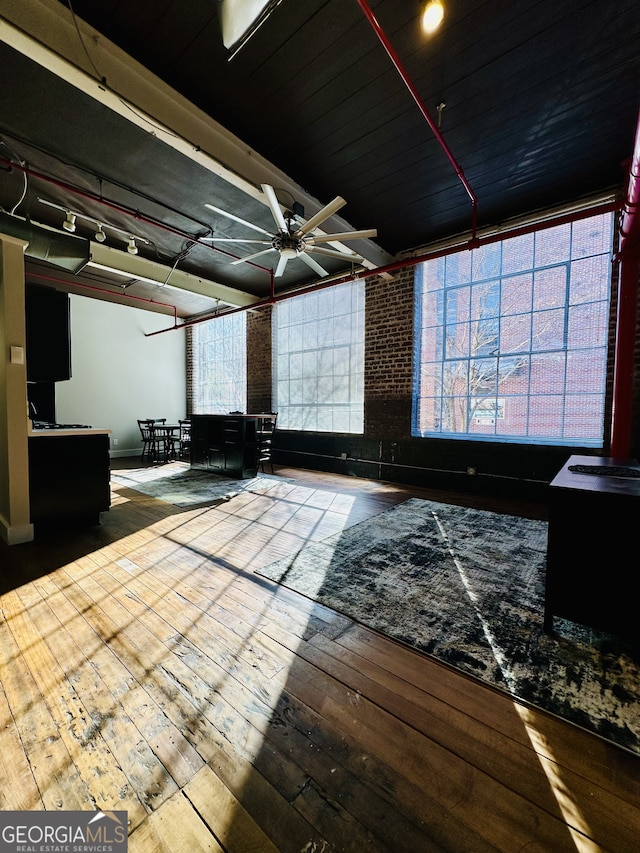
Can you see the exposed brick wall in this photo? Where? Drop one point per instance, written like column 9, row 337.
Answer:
column 388, row 361
column 259, row 360
column 386, row 450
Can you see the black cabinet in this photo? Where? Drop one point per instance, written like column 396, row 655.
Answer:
column 225, row 444
column 48, row 322
column 592, row 576
column 69, row 479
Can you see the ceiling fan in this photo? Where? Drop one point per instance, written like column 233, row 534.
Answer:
column 294, row 237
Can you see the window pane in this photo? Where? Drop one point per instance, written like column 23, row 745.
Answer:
column 525, row 328
column 517, row 293
column 552, row 245
column 517, row 254
column 319, row 340
column 220, row 365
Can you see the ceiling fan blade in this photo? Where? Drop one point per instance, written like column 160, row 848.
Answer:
column 327, row 211
column 345, row 235
column 282, row 263
column 315, row 266
column 237, row 219
column 250, row 257
column 334, row 253
column 274, row 205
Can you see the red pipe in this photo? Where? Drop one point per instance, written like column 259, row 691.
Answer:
column 416, row 97
column 109, row 292
column 628, row 258
column 605, row 207
column 121, row 209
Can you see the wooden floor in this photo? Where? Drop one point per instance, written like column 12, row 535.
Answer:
column 145, row 667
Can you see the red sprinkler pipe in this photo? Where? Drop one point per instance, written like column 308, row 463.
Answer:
column 628, row 258
column 109, row 293
column 416, row 97
column 332, row 281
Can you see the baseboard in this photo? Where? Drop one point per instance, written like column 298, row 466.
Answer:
column 16, row 534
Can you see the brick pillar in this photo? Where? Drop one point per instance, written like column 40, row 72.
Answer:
column 388, row 361
column 259, row 386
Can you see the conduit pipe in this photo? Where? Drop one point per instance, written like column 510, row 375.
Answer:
column 519, row 231
column 628, row 259
column 416, row 97
column 120, row 208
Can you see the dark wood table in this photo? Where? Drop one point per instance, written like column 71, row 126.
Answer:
column 593, row 574
column 165, row 438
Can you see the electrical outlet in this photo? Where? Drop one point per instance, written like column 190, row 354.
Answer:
column 343, row 456
column 471, row 472
column 114, row 442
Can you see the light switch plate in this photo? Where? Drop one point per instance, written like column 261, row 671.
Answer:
column 17, row 355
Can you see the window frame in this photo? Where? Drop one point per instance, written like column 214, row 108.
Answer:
column 318, row 352
column 443, row 342
column 230, row 365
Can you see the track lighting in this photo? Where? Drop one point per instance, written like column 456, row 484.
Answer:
column 100, row 236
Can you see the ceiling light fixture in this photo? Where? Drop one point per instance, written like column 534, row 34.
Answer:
column 432, row 16
column 124, row 273
column 100, row 236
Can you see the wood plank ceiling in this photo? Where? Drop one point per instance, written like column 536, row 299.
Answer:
column 537, row 102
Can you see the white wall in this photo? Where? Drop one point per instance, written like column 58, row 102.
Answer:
column 119, row 375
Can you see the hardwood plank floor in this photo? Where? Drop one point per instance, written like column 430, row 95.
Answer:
column 145, row 667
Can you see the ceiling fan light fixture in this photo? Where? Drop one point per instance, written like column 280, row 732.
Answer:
column 69, row 223
column 432, row 16
column 288, row 252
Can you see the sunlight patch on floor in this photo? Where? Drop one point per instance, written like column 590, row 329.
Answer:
column 571, row 812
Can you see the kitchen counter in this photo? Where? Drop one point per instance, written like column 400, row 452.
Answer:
column 34, row 432
column 53, row 433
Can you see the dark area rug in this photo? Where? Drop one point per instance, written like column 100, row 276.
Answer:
column 467, row 586
column 182, row 486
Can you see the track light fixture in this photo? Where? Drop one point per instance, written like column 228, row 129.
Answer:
column 100, row 236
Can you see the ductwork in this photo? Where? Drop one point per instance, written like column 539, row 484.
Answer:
column 67, row 251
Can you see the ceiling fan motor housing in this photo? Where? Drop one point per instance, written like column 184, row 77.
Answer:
column 288, row 245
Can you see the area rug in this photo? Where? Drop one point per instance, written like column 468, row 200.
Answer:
column 467, row 586
column 182, row 486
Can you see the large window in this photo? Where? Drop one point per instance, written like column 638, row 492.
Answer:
column 220, row 365
column 511, row 338
column 318, row 347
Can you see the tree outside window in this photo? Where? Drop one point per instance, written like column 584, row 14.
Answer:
column 511, row 339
